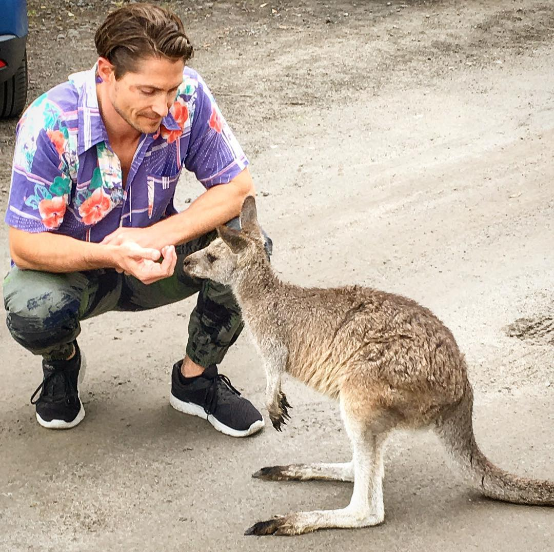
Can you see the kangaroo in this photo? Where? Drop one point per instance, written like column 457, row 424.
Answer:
column 389, row 361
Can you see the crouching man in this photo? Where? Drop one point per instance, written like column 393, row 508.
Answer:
column 92, row 223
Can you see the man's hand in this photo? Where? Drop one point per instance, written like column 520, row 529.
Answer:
column 142, row 263
column 148, row 238
column 57, row 253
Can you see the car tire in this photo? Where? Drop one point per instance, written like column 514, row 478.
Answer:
column 13, row 92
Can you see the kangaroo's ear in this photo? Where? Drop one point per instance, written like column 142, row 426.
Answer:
column 233, row 238
column 248, row 215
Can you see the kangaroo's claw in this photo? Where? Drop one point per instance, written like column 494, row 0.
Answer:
column 266, row 527
column 278, row 423
column 284, row 401
column 271, row 473
column 284, row 405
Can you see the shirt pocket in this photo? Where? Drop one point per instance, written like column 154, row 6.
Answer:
column 161, row 189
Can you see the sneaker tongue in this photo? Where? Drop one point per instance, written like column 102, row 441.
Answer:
column 210, row 372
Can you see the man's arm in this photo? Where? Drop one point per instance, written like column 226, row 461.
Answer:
column 213, row 208
column 57, row 253
column 133, row 250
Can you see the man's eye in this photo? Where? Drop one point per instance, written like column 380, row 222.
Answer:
column 148, row 92
column 211, row 258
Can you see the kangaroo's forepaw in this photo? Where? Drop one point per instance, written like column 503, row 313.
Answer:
column 281, row 414
column 276, row 526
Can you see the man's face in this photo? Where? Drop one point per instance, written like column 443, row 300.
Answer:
column 143, row 98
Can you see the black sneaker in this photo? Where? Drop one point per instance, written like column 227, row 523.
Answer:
column 59, row 405
column 212, row 397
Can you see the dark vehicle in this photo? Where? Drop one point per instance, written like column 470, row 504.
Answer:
column 14, row 27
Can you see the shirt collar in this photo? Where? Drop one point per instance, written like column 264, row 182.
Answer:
column 170, row 123
column 91, row 127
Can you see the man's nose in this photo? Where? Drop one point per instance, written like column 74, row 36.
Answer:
column 160, row 107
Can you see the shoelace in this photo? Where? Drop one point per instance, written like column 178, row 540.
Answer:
column 211, row 402
column 69, row 388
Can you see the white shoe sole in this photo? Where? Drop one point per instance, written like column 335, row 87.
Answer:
column 62, row 424
column 196, row 410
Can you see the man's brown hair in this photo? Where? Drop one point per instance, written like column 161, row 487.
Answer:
column 138, row 31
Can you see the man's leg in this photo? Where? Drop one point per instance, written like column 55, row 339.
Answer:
column 197, row 388
column 44, row 311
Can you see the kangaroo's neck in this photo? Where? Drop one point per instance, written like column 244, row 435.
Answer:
column 256, row 285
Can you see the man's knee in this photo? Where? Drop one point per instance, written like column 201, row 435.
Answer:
column 42, row 309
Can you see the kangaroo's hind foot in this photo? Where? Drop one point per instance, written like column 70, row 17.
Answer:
column 307, row 472
column 307, row 522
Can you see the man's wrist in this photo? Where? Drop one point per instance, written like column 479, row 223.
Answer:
column 103, row 256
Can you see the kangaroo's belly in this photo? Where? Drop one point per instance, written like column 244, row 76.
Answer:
column 401, row 360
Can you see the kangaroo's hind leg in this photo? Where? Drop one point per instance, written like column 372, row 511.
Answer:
column 366, row 505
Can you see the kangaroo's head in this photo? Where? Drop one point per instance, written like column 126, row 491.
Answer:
column 232, row 252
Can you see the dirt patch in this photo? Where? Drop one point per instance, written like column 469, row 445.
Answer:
column 537, row 330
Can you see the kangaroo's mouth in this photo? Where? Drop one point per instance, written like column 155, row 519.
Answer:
column 189, row 265
column 195, row 266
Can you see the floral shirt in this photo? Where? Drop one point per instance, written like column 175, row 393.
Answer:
column 67, row 179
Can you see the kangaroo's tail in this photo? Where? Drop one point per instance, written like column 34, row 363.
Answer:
column 455, row 429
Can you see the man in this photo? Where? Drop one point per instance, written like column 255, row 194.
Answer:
column 92, row 222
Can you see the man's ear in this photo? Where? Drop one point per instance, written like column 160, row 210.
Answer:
column 104, row 69
column 233, row 238
column 249, row 216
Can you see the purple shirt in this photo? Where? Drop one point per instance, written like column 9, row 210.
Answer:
column 66, row 178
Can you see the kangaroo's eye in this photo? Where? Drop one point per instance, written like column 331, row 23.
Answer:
column 211, row 258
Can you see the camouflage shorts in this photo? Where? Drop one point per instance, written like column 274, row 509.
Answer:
column 44, row 310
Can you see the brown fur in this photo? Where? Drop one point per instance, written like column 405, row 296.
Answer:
column 390, row 362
